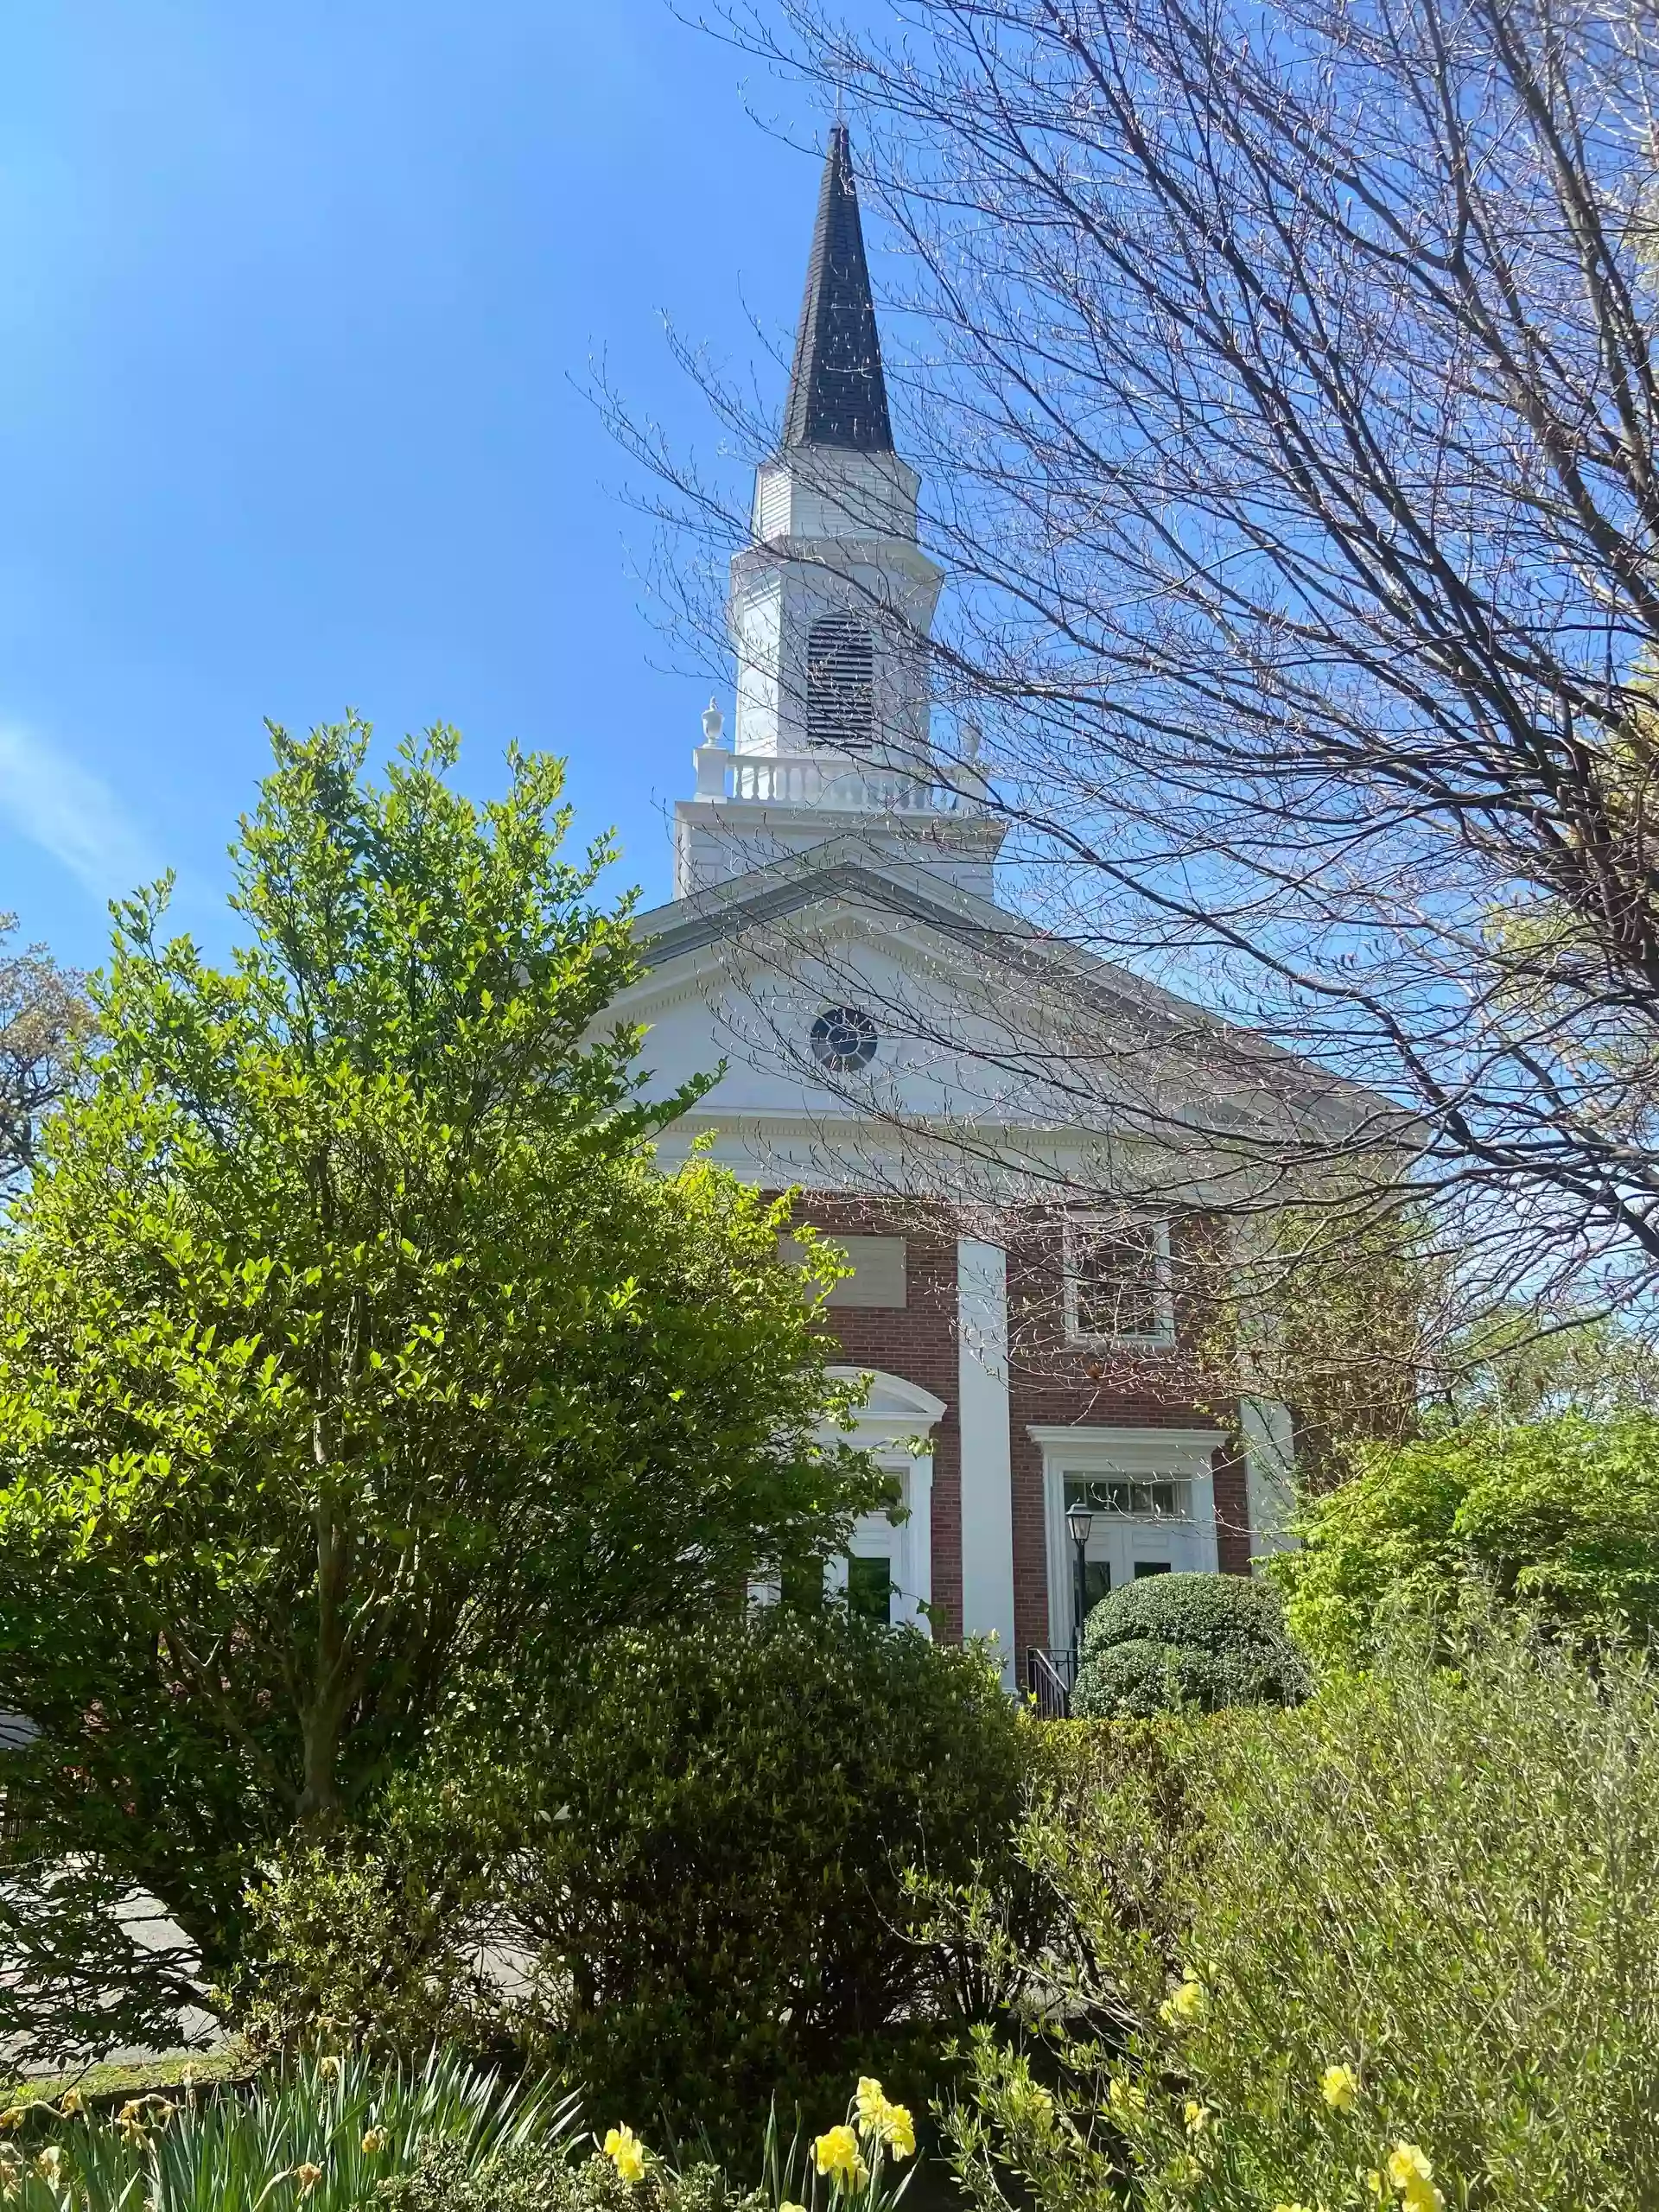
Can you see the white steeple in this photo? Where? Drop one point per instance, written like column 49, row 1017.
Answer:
column 831, row 605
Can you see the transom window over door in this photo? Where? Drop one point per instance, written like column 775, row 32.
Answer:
column 1117, row 1281
column 1159, row 1498
column 840, row 684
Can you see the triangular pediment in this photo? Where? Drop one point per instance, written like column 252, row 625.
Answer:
column 990, row 1032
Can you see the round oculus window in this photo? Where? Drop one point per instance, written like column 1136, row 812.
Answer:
column 844, row 1039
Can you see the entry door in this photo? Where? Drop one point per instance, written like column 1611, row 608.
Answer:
column 887, row 1571
column 1138, row 1547
column 1124, row 1550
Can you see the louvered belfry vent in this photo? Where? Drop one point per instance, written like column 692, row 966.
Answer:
column 837, row 396
column 839, row 683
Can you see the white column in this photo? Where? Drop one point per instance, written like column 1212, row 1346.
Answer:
column 916, row 1580
column 987, row 1459
column 1266, row 1431
column 1202, row 1543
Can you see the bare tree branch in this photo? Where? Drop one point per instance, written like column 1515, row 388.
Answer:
column 1286, row 388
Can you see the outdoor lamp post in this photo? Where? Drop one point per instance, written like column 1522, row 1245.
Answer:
column 1078, row 1522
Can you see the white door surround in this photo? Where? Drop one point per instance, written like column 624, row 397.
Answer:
column 1184, row 1539
column 895, row 1420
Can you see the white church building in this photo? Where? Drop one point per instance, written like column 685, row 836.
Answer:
column 835, row 940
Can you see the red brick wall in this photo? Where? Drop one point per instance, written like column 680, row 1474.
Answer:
column 1056, row 1384
column 1232, row 1514
column 1051, row 1383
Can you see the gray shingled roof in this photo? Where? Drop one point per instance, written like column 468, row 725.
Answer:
column 837, row 394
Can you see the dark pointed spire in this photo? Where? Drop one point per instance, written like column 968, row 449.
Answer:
column 836, row 395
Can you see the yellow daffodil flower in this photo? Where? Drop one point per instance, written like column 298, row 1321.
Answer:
column 626, row 2153
column 880, row 2120
column 1126, row 2096
column 1196, row 2116
column 899, row 2131
column 835, row 2153
column 1339, row 2087
column 307, row 2177
column 49, row 2164
column 331, row 2067
column 70, row 2102
column 374, row 2140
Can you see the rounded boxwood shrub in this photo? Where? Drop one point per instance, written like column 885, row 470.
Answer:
column 1175, row 1640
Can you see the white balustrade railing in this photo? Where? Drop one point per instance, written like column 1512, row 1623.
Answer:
column 784, row 779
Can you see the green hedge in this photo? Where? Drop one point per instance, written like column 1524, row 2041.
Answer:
column 1416, row 1917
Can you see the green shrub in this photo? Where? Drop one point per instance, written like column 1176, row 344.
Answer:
column 366, row 1947
column 1170, row 1641
column 1560, row 1518
column 1112, row 1797
column 525, row 2178
column 1444, row 1882
column 721, row 1910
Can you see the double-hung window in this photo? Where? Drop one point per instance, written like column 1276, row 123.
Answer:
column 1118, row 1287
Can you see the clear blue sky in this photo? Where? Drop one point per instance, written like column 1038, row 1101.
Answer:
column 290, row 303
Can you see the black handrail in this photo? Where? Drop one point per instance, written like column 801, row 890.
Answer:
column 1049, row 1677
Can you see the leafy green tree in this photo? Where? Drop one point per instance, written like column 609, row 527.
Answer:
column 1557, row 1517
column 44, row 1019
column 351, row 1335
column 1334, row 1306
column 1525, row 1363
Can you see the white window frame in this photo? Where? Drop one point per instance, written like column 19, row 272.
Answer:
column 1163, row 1286
column 1182, row 1484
